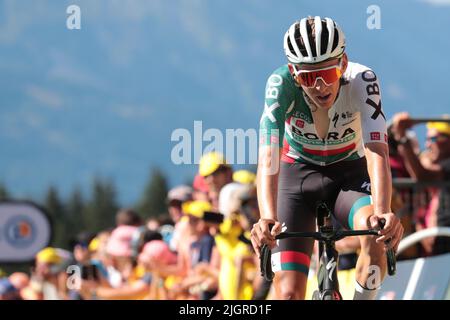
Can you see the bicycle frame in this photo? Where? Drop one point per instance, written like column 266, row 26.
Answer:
column 327, row 274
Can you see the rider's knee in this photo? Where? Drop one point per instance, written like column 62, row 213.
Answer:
column 289, row 293
column 291, row 286
column 361, row 222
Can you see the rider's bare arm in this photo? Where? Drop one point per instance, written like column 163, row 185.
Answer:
column 267, row 182
column 267, row 188
column 377, row 155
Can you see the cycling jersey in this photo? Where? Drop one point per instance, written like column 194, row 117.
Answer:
column 356, row 118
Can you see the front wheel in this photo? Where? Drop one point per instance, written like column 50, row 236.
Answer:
column 316, row 295
column 327, row 295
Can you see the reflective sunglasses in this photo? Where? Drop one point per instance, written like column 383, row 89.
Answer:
column 437, row 138
column 308, row 78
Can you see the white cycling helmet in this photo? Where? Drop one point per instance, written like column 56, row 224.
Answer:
column 300, row 47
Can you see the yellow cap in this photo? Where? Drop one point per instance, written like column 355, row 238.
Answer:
column 441, row 127
column 48, row 255
column 210, row 162
column 94, row 244
column 244, row 177
column 196, row 208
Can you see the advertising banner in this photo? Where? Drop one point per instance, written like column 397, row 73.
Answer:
column 24, row 231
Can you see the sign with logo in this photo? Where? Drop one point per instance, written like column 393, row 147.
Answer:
column 24, row 231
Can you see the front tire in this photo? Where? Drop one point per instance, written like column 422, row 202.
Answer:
column 316, row 295
column 327, row 295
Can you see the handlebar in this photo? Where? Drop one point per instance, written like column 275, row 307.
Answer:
column 266, row 254
column 333, row 236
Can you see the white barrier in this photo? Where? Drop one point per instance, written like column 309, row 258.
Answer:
column 422, row 234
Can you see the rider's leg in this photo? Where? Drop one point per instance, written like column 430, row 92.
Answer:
column 372, row 265
column 290, row 285
column 291, row 258
column 291, row 261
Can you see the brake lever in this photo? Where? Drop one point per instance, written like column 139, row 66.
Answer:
column 390, row 253
column 266, row 263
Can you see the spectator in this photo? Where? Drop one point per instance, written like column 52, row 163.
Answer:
column 19, row 280
column 8, row 291
column 244, row 177
column 180, row 238
column 153, row 224
column 217, row 173
column 401, row 202
column 200, row 189
column 48, row 280
column 120, row 252
column 91, row 269
column 201, row 247
column 437, row 169
column 128, row 217
column 237, row 265
column 175, row 198
column 156, row 256
column 126, row 280
column 97, row 248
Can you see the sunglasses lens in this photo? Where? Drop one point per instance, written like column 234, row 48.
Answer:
column 308, row 78
column 329, row 76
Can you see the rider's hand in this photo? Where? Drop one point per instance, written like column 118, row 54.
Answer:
column 392, row 232
column 261, row 234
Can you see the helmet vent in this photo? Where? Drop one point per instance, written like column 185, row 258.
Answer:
column 311, row 38
column 324, row 38
column 336, row 37
column 299, row 40
column 291, row 49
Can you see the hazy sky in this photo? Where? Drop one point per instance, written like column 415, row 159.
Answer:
column 105, row 100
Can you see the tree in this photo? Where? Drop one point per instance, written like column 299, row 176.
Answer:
column 102, row 208
column 153, row 200
column 75, row 208
column 60, row 223
column 4, row 194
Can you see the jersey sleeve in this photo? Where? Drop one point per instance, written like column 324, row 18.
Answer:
column 271, row 125
column 366, row 90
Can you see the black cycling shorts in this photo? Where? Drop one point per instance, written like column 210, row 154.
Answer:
column 343, row 186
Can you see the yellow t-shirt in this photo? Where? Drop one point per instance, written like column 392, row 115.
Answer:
column 231, row 249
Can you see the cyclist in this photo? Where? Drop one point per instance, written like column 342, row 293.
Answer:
column 323, row 119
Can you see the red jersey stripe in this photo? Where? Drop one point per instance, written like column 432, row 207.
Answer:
column 295, row 257
column 333, row 152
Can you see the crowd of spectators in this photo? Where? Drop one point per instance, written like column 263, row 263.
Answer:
column 200, row 251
